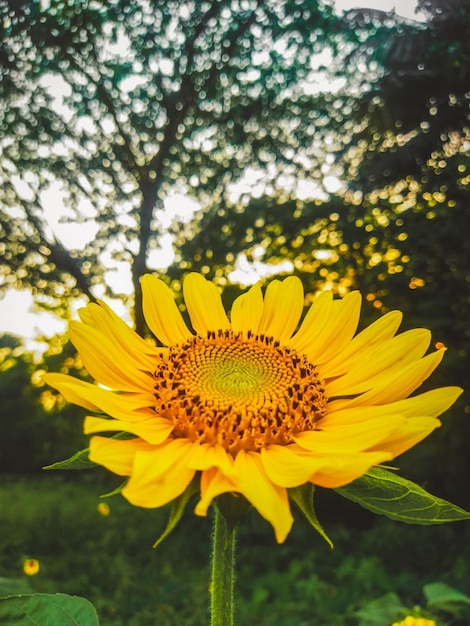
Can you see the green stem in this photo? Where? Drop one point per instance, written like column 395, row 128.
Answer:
column 223, row 560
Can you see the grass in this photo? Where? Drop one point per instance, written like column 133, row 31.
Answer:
column 110, row 561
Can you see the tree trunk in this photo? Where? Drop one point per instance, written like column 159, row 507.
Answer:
column 149, row 190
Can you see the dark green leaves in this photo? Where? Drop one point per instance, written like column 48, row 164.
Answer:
column 44, row 609
column 381, row 611
column 385, row 493
column 442, row 597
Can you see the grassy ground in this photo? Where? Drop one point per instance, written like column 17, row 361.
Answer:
column 110, row 560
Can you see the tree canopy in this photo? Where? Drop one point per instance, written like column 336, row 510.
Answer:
column 107, row 108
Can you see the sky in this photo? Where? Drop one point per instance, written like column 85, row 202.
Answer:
column 17, row 313
column 405, row 8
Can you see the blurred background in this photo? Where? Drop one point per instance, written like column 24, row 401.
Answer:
column 243, row 139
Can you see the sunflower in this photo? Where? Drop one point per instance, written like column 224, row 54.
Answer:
column 254, row 405
column 415, row 621
column 31, row 567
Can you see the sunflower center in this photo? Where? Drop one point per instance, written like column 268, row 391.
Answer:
column 241, row 392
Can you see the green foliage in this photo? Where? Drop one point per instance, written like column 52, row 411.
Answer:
column 384, row 610
column 46, row 609
column 444, row 603
column 110, row 561
column 417, row 111
column 442, row 597
column 386, row 493
column 14, row 587
column 107, row 559
column 35, row 424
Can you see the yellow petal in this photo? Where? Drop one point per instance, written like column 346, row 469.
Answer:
column 287, row 469
column 365, row 343
column 414, row 431
column 124, row 333
column 161, row 312
column 115, row 454
column 247, row 310
column 213, row 484
column 396, row 385
column 269, row 500
column 118, row 334
column 154, row 430
column 204, row 305
column 431, row 403
column 353, row 437
column 283, row 305
column 85, row 316
column 368, row 371
column 350, row 468
column 328, row 327
column 337, row 419
column 159, row 475
column 128, row 407
column 205, row 456
column 106, row 361
column 314, row 323
column 339, row 330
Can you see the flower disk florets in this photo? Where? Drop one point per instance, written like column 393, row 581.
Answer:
column 243, row 393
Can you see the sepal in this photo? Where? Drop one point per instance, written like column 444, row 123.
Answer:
column 303, row 497
column 178, row 507
column 79, row 461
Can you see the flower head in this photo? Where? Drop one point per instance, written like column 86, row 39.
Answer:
column 103, row 509
column 31, row 567
column 415, row 621
column 252, row 405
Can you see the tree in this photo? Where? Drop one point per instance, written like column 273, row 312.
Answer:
column 155, row 97
column 420, row 104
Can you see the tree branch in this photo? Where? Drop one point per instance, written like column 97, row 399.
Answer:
column 58, row 253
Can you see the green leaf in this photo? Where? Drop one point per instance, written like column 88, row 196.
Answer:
column 177, row 509
column 399, row 499
column 14, row 586
column 79, row 461
column 302, row 497
column 43, row 609
column 442, row 597
column 382, row 611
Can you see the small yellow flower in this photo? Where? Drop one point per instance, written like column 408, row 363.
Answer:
column 251, row 405
column 30, row 567
column 415, row 621
column 103, row 509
